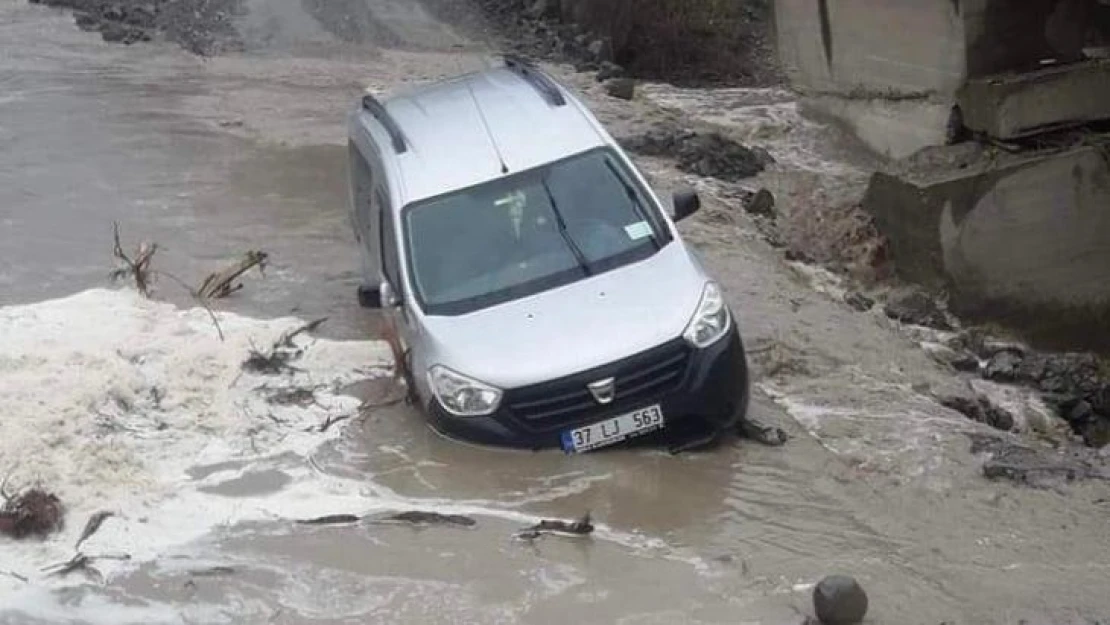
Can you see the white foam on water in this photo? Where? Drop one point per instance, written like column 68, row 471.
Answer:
column 109, row 399
column 766, row 117
column 116, row 402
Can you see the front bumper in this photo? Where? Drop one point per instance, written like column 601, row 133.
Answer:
column 695, row 387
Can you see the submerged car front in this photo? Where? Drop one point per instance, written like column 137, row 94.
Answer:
column 558, row 307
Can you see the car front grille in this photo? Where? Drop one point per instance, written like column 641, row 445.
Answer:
column 639, row 379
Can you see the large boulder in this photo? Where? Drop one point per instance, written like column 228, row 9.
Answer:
column 839, row 600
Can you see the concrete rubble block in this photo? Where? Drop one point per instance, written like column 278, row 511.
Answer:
column 1022, row 239
column 901, row 47
column 1017, row 105
column 893, row 128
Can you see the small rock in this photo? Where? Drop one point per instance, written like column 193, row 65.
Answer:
column 1097, row 433
column 601, row 50
column 798, row 256
column 859, row 301
column 621, row 88
column 839, row 600
column 609, row 70
column 763, row 157
column 967, row 363
column 917, row 308
column 1080, row 413
column 980, row 409
column 762, row 203
column 1002, row 367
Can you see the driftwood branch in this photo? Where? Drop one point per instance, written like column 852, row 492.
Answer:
column 223, row 282
column 139, row 267
column 276, row 360
column 200, row 300
column 140, row 270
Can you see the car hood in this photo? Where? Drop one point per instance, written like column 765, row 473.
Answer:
column 574, row 327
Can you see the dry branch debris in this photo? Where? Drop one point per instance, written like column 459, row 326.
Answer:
column 581, row 527
column 138, row 267
column 223, row 282
column 33, row 512
column 276, row 360
column 92, row 525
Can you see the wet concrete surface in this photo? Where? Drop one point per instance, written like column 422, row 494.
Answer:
column 212, row 157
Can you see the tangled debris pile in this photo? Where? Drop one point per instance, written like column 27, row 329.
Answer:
column 33, row 512
column 276, row 359
column 705, row 154
column 223, row 282
column 203, row 27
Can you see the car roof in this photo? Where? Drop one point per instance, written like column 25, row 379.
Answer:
column 484, row 125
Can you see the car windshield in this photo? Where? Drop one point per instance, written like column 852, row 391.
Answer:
column 527, row 233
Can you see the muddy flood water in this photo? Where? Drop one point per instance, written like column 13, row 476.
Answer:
column 210, row 157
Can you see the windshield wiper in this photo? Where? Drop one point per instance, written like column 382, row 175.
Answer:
column 634, row 199
column 562, row 224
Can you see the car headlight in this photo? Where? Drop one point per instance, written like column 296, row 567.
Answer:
column 463, row 396
column 710, row 321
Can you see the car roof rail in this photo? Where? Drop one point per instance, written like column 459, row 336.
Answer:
column 535, row 77
column 375, row 108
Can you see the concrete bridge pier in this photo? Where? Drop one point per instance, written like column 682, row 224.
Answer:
column 995, row 118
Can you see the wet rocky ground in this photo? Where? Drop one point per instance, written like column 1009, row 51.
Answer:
column 200, row 26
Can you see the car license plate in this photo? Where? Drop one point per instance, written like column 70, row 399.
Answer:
column 612, row 431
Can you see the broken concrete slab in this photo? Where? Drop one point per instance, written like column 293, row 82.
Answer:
column 846, row 46
column 1020, row 239
column 894, row 128
column 1012, row 106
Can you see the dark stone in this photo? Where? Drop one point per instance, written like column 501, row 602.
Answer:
column 609, row 70
column 839, row 600
column 996, row 417
column 711, row 155
column 917, row 308
column 622, row 88
column 762, row 203
column 1002, row 367
column 967, row 363
column 1080, row 413
column 798, row 256
column 859, row 301
column 1100, row 399
column 763, row 157
column 981, row 410
column 1097, row 432
column 771, row 436
column 1037, row 467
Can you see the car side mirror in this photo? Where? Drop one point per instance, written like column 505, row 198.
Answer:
column 388, row 298
column 686, row 203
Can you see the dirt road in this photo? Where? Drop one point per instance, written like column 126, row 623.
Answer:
column 245, row 150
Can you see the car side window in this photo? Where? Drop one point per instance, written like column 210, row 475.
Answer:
column 391, row 262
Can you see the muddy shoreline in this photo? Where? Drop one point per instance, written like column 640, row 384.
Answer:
column 203, row 27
